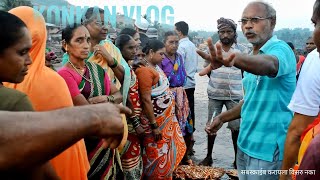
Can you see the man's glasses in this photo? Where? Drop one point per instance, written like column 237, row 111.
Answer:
column 254, row 20
column 100, row 24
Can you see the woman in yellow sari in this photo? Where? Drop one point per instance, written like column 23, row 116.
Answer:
column 48, row 91
column 105, row 53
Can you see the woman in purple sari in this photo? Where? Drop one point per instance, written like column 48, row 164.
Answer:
column 173, row 66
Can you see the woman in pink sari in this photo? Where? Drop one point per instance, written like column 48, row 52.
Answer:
column 88, row 83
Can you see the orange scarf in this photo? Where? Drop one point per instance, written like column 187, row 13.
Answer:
column 307, row 136
column 48, row 91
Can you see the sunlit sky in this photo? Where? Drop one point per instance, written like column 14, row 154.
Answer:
column 203, row 14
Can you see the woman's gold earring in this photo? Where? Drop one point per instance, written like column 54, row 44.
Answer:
column 67, row 48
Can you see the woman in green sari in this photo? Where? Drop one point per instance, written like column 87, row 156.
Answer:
column 104, row 52
column 89, row 84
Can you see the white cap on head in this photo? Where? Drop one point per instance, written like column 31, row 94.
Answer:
column 152, row 32
column 143, row 24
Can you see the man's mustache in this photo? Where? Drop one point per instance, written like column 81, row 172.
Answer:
column 250, row 32
column 226, row 39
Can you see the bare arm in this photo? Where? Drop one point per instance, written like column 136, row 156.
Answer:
column 148, row 110
column 116, row 94
column 148, row 106
column 43, row 135
column 119, row 73
column 230, row 115
column 132, row 118
column 44, row 171
column 79, row 100
column 130, row 106
column 118, row 70
column 264, row 65
column 298, row 125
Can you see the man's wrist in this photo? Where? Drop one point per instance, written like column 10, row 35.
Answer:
column 221, row 118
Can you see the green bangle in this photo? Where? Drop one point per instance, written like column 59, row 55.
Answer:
column 115, row 63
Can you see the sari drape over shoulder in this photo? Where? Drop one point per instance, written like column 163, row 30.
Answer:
column 105, row 162
column 176, row 74
column 162, row 157
column 124, row 88
column 48, row 91
column 131, row 158
column 115, row 53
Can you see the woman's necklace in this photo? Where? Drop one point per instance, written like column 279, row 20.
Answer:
column 83, row 76
column 149, row 65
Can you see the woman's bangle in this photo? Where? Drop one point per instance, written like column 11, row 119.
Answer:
column 153, row 125
column 135, row 121
column 115, row 63
column 110, row 98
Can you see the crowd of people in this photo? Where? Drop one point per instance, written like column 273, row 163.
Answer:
column 136, row 115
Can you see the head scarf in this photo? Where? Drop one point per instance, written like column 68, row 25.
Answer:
column 40, row 79
column 48, row 91
column 226, row 23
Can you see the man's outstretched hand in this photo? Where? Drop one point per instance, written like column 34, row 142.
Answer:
column 215, row 58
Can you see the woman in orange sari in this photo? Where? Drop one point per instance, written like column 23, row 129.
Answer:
column 164, row 144
column 48, row 91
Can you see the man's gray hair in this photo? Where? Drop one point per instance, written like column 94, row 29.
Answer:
column 271, row 12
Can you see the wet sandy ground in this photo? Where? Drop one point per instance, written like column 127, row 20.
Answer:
column 223, row 155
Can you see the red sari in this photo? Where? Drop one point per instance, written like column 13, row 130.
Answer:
column 131, row 159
